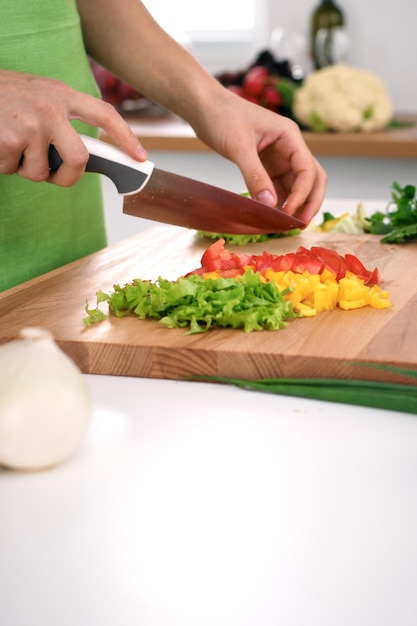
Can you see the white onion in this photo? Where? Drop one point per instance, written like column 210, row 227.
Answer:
column 45, row 405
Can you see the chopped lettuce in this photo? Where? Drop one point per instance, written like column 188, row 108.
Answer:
column 243, row 240
column 200, row 304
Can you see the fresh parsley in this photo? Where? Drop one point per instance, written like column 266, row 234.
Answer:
column 398, row 223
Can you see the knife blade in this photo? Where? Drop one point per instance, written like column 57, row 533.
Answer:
column 161, row 196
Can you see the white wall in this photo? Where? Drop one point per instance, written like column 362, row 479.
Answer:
column 382, row 34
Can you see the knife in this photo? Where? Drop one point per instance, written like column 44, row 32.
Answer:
column 161, row 196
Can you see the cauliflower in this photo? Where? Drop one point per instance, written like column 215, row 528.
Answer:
column 343, row 98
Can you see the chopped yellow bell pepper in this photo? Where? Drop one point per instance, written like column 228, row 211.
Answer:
column 329, row 225
column 313, row 293
column 310, row 294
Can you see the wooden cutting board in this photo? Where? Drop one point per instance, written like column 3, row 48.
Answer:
column 323, row 346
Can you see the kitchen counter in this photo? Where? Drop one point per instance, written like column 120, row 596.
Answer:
column 194, row 504
column 170, row 133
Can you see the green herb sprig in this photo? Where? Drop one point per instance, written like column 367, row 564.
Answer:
column 398, row 223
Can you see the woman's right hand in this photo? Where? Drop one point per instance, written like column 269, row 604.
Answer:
column 36, row 112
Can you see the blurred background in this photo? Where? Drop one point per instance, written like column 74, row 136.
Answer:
column 225, row 35
column 227, row 38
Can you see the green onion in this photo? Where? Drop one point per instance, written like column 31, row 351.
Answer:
column 379, row 395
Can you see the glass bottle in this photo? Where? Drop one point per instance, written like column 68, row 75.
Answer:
column 329, row 41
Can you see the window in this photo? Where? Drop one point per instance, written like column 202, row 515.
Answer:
column 221, row 34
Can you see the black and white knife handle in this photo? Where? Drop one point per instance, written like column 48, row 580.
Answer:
column 128, row 175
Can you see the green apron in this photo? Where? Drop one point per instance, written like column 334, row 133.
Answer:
column 43, row 226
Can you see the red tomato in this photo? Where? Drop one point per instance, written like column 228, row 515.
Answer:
column 374, row 278
column 197, row 272
column 313, row 260
column 355, row 266
column 284, row 262
column 210, row 260
column 217, row 258
column 263, row 261
column 304, row 263
column 237, row 271
column 331, row 260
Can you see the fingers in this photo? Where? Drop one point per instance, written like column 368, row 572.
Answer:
column 30, row 159
column 72, row 151
column 300, row 179
column 36, row 112
column 315, row 199
column 286, row 175
column 10, row 155
column 269, row 149
column 74, row 157
column 103, row 115
column 298, row 188
column 258, row 182
column 33, row 163
column 255, row 170
column 307, row 192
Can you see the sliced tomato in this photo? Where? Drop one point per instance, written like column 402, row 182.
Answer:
column 200, row 271
column 211, row 258
column 261, row 262
column 241, row 259
column 216, row 257
column 305, row 263
column 356, row 266
column 331, row 260
column 284, row 262
column 231, row 273
column 373, row 278
column 313, row 260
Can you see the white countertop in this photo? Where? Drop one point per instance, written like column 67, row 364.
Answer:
column 194, row 504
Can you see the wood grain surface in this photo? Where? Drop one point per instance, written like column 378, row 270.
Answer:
column 334, row 344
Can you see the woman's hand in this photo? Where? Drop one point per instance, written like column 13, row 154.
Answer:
column 36, row 111
column 278, row 168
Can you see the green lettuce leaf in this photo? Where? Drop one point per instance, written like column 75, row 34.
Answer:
column 200, row 304
column 243, row 240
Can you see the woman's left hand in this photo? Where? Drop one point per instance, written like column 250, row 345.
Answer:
column 278, row 167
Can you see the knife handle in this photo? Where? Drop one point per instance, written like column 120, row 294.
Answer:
column 128, row 175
